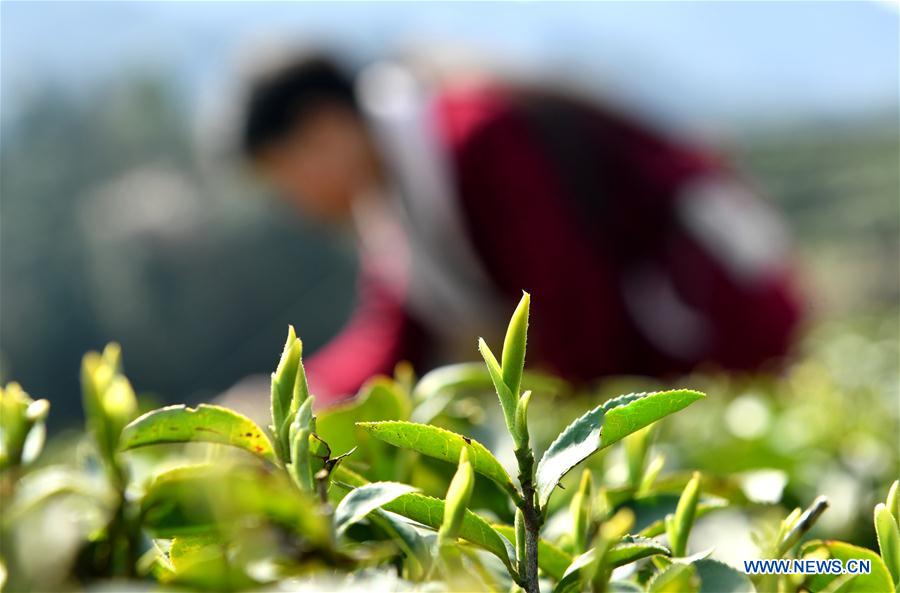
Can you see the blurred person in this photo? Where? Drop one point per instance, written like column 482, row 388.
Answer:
column 644, row 255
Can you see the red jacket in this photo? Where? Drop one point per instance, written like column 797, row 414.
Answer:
column 643, row 256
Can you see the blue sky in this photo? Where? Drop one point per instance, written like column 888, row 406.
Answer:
column 719, row 61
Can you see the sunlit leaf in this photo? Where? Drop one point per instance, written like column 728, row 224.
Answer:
column 718, row 577
column 676, row 578
column 879, row 579
column 441, row 444
column 601, row 427
column 430, row 512
column 206, row 423
column 365, row 499
column 888, row 540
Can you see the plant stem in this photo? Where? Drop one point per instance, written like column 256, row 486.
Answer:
column 533, row 520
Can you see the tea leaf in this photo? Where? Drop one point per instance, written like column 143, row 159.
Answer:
column 21, row 426
column 457, row 498
column 365, row 499
column 601, row 427
column 441, row 444
column 630, row 413
column 888, row 540
column 630, row 548
column 676, row 578
column 678, row 525
column 718, row 577
column 108, row 400
column 430, row 512
column 206, row 423
column 513, row 360
column 508, row 400
column 892, row 502
column 879, row 579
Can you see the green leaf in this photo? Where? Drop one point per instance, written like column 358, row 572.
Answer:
column 457, row 499
column 210, row 499
column 430, row 512
column 718, row 577
column 206, row 423
column 108, row 399
column 630, row 548
column 365, row 499
column 879, row 579
column 508, row 400
column 21, row 426
column 513, row 362
column 601, row 427
column 416, row 543
column 678, row 525
column 441, row 444
column 892, row 502
column 301, row 467
column 551, row 559
column 630, row 413
column 676, row 578
column 888, row 540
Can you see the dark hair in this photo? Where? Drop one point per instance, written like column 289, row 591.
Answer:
column 282, row 98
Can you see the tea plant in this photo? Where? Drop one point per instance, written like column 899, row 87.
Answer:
column 380, row 493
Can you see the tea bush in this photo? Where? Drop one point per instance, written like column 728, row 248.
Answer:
column 391, row 491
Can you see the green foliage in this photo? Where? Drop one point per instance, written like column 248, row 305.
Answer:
column 879, row 579
column 440, row 444
column 21, row 426
column 108, row 399
column 601, row 427
column 678, row 526
column 363, row 500
column 888, row 533
column 206, row 423
column 353, row 489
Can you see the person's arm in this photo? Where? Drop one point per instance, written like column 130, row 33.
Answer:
column 379, row 334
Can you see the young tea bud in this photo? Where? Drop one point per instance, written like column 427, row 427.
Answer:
column 21, row 418
column 678, row 526
column 520, row 429
column 514, row 345
column 300, row 466
column 108, row 398
column 289, row 391
column 508, row 401
column 457, row 500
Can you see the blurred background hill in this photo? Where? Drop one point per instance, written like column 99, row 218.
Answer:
column 116, row 225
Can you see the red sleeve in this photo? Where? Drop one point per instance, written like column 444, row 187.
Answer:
column 379, row 334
